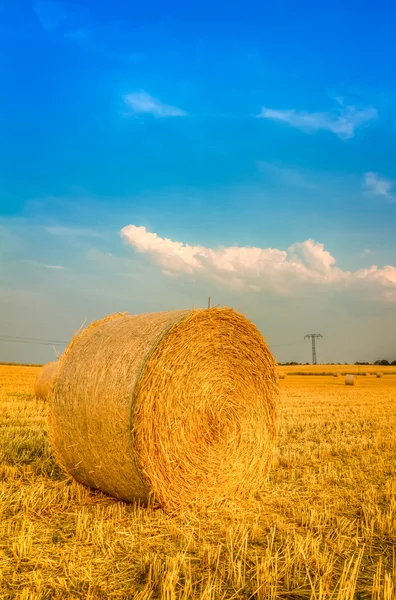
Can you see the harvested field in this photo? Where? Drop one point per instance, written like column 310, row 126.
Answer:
column 322, row 527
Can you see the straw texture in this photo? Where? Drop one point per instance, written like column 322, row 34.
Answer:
column 180, row 406
column 45, row 380
column 350, row 380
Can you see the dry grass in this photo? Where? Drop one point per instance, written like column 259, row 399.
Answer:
column 323, row 527
column 197, row 390
column 45, row 380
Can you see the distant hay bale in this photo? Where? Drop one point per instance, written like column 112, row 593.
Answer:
column 350, row 380
column 178, row 406
column 379, row 375
column 45, row 380
column 281, row 375
column 337, row 374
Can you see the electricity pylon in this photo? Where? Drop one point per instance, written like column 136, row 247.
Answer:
column 313, row 336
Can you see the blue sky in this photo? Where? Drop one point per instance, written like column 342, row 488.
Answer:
column 154, row 154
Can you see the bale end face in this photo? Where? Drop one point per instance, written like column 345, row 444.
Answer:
column 350, row 380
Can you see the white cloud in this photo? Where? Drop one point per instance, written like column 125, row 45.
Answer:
column 142, row 103
column 34, row 263
column 281, row 271
column 342, row 121
column 378, row 185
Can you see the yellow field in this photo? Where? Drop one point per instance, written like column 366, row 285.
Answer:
column 324, row 525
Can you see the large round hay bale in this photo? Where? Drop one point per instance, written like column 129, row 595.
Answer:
column 179, row 406
column 45, row 380
column 350, row 380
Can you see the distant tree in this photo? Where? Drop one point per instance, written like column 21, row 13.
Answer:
column 393, row 363
column 362, row 363
column 383, row 362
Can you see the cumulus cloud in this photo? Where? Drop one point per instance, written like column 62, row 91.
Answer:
column 256, row 269
column 377, row 185
column 342, row 120
column 140, row 103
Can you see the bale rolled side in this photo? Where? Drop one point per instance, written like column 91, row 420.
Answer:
column 45, row 380
column 350, row 380
column 178, row 405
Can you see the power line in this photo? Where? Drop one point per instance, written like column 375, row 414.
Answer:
column 31, row 339
column 281, row 345
column 20, row 340
column 28, row 340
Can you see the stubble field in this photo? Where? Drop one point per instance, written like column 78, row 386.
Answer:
column 324, row 525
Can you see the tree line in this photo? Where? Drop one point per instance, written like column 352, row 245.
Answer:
column 383, row 362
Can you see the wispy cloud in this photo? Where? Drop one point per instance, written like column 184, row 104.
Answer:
column 285, row 175
column 140, row 103
column 366, row 252
column 377, row 185
column 73, row 232
column 256, row 269
column 342, row 120
column 50, row 13
column 34, row 263
column 73, row 23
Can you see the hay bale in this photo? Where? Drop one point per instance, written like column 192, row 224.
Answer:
column 379, row 375
column 350, row 380
column 281, row 375
column 45, row 380
column 179, row 406
column 337, row 374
